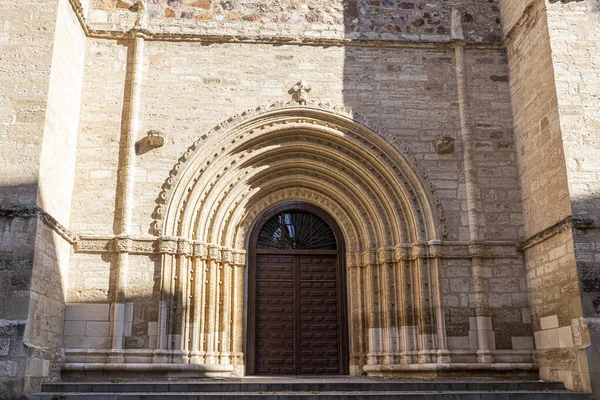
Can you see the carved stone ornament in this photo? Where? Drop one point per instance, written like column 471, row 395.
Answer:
column 301, row 91
column 444, row 145
column 141, row 22
column 155, row 139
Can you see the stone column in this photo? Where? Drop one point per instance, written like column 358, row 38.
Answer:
column 443, row 354
column 225, row 320
column 356, row 313
column 422, row 289
column 126, row 177
column 212, row 296
column 406, row 300
column 197, row 317
column 237, row 356
column 482, row 311
column 372, row 307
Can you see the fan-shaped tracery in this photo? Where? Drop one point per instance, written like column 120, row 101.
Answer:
column 296, row 230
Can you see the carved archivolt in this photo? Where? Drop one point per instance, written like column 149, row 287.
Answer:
column 316, row 153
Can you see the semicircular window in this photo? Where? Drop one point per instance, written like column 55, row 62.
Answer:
column 298, row 230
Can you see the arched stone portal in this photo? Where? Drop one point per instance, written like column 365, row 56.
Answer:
column 385, row 209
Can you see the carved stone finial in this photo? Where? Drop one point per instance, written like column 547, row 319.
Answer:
column 156, row 139
column 141, row 21
column 301, row 91
column 444, row 145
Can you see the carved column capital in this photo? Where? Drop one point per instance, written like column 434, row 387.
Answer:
column 123, row 244
column 200, row 250
column 184, row 247
column 167, row 244
column 214, row 252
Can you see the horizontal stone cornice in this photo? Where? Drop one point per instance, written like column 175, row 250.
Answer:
column 570, row 222
column 149, row 34
column 41, row 215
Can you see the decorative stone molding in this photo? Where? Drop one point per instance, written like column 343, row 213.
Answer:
column 86, row 244
column 167, row 245
column 41, row 215
column 200, row 250
column 570, row 222
column 237, row 256
column 444, row 145
column 122, row 244
column 321, row 117
column 184, row 247
column 300, row 92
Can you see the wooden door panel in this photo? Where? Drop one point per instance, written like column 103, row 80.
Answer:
column 297, row 327
column 319, row 338
column 275, row 316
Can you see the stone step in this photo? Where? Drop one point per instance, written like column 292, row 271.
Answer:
column 379, row 395
column 304, row 386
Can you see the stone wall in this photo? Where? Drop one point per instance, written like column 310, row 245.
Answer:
column 574, row 30
column 406, row 20
column 26, row 39
column 550, row 256
column 409, row 94
column 39, row 109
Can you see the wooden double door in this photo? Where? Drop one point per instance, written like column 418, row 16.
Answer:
column 296, row 314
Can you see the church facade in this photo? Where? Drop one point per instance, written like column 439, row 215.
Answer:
column 299, row 187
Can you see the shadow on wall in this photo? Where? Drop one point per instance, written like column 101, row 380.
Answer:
column 31, row 290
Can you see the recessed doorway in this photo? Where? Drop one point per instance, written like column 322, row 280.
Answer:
column 297, row 305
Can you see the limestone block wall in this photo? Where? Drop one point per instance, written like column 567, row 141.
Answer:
column 410, row 94
column 549, row 251
column 495, row 155
column 42, row 70
column 574, row 31
column 26, row 39
column 99, row 135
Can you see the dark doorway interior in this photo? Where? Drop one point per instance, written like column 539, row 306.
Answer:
column 296, row 312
